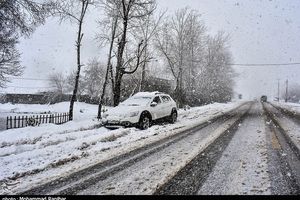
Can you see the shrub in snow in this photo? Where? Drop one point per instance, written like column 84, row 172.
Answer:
column 187, row 107
column 32, row 122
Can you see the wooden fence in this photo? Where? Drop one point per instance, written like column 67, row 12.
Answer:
column 35, row 120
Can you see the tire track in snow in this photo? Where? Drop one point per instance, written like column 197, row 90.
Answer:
column 242, row 168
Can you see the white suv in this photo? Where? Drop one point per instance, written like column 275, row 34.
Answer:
column 140, row 110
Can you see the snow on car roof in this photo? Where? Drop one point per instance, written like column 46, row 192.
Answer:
column 147, row 94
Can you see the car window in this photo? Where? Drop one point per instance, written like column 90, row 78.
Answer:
column 166, row 99
column 157, row 100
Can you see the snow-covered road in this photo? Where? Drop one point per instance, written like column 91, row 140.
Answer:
column 243, row 167
column 258, row 159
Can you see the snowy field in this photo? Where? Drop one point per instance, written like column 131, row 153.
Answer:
column 81, row 110
column 33, row 155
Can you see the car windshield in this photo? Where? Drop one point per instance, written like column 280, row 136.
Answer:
column 136, row 101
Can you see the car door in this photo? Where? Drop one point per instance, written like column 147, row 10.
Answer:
column 166, row 106
column 157, row 111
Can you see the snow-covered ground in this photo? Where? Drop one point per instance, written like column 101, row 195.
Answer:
column 81, row 110
column 294, row 107
column 34, row 155
column 84, row 114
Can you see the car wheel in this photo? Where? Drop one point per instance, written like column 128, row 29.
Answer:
column 173, row 117
column 144, row 122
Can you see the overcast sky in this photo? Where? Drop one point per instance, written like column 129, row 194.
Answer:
column 262, row 31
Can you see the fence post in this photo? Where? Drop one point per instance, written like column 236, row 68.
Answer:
column 15, row 121
column 18, row 121
column 22, row 118
column 7, row 122
column 26, row 119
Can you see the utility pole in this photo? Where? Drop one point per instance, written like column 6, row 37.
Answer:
column 286, row 90
column 278, row 89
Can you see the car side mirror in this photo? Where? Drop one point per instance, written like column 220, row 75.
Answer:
column 153, row 104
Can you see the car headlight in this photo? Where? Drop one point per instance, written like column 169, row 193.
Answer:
column 132, row 114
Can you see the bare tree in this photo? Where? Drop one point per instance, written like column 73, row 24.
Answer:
column 128, row 11
column 70, row 82
column 196, row 33
column 17, row 18
column 197, row 62
column 58, row 81
column 109, row 64
column 216, row 81
column 145, row 31
column 173, row 43
column 75, row 11
column 93, row 77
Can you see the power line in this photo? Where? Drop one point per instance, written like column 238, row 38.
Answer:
column 265, row 64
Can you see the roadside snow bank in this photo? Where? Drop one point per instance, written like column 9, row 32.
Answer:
column 294, row 107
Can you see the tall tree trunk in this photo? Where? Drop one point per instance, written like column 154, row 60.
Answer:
column 103, row 93
column 73, row 99
column 117, row 89
column 109, row 67
column 119, row 67
column 78, row 45
column 143, row 78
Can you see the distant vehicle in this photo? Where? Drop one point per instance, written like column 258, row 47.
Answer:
column 263, row 98
column 140, row 110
